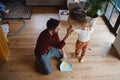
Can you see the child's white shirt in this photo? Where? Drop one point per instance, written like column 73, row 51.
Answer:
column 84, row 35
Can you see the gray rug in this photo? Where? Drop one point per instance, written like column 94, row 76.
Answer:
column 18, row 10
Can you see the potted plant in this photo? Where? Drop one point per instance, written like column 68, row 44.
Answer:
column 95, row 6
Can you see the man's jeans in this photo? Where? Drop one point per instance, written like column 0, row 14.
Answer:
column 45, row 59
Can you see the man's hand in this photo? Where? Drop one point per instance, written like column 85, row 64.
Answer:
column 64, row 54
column 69, row 30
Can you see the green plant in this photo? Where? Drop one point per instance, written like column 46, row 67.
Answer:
column 93, row 6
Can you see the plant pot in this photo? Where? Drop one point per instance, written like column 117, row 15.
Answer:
column 93, row 15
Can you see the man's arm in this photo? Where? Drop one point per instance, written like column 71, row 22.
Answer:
column 69, row 31
column 60, row 44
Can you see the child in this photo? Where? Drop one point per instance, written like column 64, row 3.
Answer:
column 84, row 34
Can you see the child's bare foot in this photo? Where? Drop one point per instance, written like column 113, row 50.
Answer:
column 81, row 60
column 74, row 56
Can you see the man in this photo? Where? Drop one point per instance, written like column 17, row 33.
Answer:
column 49, row 45
column 3, row 10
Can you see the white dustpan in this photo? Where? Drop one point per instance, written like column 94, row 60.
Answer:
column 65, row 66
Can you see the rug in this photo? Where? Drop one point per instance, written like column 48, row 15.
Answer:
column 18, row 10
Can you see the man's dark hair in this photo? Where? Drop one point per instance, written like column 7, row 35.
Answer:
column 52, row 24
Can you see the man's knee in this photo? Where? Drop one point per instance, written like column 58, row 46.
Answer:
column 42, row 69
column 48, row 71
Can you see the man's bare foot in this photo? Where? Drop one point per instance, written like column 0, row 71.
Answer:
column 7, row 11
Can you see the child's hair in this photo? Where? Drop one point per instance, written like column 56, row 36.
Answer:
column 85, row 22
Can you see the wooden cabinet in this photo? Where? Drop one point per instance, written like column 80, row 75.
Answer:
column 46, row 2
column 4, row 50
column 117, row 42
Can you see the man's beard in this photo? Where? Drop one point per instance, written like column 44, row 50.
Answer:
column 54, row 33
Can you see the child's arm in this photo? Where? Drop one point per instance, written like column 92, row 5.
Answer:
column 92, row 30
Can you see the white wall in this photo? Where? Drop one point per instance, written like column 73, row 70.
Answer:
column 117, row 42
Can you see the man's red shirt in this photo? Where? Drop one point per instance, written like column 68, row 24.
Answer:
column 45, row 41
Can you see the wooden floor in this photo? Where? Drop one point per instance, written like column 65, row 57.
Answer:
column 101, row 61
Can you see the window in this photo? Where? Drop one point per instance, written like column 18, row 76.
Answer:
column 118, row 29
column 112, row 15
column 109, row 11
column 118, row 4
column 113, row 1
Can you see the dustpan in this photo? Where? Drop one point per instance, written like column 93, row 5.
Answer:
column 65, row 66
